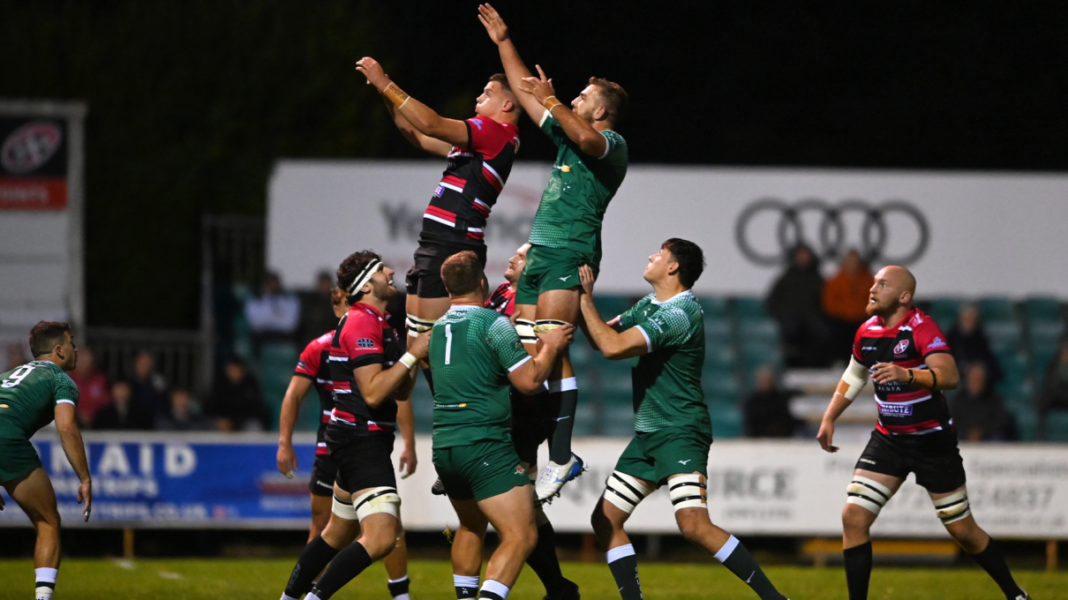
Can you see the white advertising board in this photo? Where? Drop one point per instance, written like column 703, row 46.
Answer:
column 986, row 234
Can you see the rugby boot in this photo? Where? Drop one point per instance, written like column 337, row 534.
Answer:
column 569, row 591
column 1023, row 596
column 554, row 476
column 438, row 489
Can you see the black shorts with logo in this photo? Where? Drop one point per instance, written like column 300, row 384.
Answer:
column 934, row 458
column 424, row 278
column 322, row 477
column 533, row 422
column 364, row 461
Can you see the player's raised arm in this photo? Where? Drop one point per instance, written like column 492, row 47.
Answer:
column 71, row 438
column 514, row 68
column 287, row 420
column 589, row 140
column 376, row 383
column 615, row 345
column 413, row 135
column 421, row 116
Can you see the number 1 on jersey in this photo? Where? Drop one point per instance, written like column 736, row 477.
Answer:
column 448, row 343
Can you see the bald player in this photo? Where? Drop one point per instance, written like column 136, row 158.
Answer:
column 908, row 359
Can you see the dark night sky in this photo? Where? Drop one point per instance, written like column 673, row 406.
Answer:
column 191, row 102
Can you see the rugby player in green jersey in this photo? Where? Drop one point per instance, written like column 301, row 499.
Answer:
column 591, row 162
column 672, row 430
column 32, row 396
column 475, row 353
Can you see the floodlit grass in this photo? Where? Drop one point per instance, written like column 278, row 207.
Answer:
column 264, row 580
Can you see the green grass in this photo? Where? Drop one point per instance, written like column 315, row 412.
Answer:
column 264, row 580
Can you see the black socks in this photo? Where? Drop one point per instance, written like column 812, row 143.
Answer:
column 624, row 567
column 858, row 570
column 993, row 562
column 349, row 563
column 560, row 444
column 544, row 560
column 313, row 559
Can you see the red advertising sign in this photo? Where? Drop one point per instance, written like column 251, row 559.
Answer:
column 33, row 164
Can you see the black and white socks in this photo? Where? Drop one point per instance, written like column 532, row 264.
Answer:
column 45, row 582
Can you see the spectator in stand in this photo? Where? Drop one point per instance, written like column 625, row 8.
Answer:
column 235, row 402
column 94, row 393
column 274, row 315
column 845, row 297
column 123, row 412
column 978, row 412
column 316, row 310
column 1054, row 394
column 794, row 301
column 149, row 387
column 767, row 409
column 969, row 344
column 182, row 415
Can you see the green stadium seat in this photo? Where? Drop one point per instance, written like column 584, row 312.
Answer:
column 1043, row 309
column 944, row 310
column 721, row 387
column 717, row 330
column 758, row 330
column 997, row 308
column 726, row 422
column 611, row 307
column 613, row 398
column 586, row 421
column 618, row 421
column 1014, row 363
column 714, row 306
column 1016, row 389
column 1057, row 426
column 720, row 356
column 1004, row 336
column 1045, row 334
column 1026, row 422
column 750, row 307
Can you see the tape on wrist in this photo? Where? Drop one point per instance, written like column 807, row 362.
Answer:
column 395, row 95
column 408, row 360
column 550, row 103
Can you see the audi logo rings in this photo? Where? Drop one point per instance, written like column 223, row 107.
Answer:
column 831, row 241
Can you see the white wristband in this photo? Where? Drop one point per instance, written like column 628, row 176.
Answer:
column 408, row 360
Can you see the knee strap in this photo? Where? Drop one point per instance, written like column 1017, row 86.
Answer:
column 868, row 493
column 377, row 500
column 545, row 325
column 416, row 325
column 344, row 510
column 525, row 329
column 953, row 507
column 625, row 491
column 688, row 491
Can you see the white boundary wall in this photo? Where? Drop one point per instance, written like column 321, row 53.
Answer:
column 991, row 234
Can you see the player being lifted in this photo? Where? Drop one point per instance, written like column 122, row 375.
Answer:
column 369, row 373
column 313, row 369
column 32, row 396
column 909, row 361
column 475, row 353
column 480, row 152
column 672, row 430
column 533, row 421
column 591, row 162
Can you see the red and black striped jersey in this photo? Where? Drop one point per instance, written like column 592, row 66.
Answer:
column 363, row 337
column 471, row 184
column 502, row 300
column 314, row 364
column 904, row 409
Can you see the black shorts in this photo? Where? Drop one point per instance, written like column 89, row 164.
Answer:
column 424, row 278
column 364, row 462
column 533, row 422
column 322, row 478
column 935, row 460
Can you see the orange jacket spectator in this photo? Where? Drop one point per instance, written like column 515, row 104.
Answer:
column 846, row 294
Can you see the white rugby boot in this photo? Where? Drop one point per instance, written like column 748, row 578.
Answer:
column 554, row 476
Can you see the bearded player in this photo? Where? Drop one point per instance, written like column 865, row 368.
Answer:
column 313, row 370
column 32, row 396
column 591, row 162
column 480, row 152
column 909, row 361
column 672, row 431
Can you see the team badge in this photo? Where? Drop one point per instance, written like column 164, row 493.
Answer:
column 901, row 347
column 519, row 470
column 365, row 343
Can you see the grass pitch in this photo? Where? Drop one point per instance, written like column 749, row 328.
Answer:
column 181, row 579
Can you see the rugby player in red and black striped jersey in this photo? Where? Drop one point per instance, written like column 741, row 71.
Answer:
column 369, row 374
column 909, row 361
column 313, row 369
column 480, row 152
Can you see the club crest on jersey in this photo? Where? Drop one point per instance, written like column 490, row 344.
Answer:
column 365, row 343
column 901, row 347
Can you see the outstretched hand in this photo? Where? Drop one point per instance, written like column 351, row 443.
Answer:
column 372, row 70
column 587, row 279
column 493, row 23
column 540, row 87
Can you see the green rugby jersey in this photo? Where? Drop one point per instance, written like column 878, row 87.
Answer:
column 577, row 195
column 28, row 398
column 667, row 380
column 472, row 351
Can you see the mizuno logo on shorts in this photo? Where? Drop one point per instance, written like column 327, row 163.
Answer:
column 565, row 278
column 683, row 462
